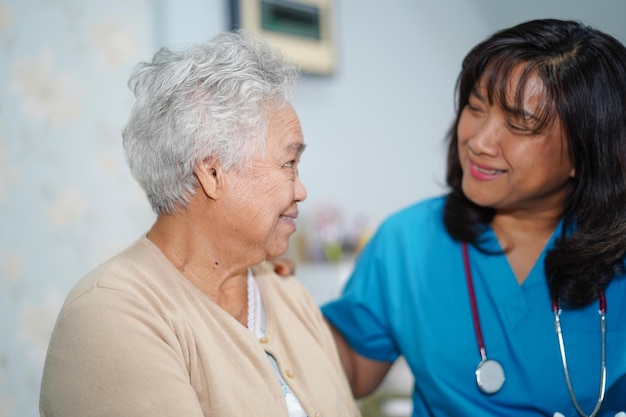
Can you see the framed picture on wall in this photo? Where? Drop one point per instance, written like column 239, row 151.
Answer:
column 301, row 29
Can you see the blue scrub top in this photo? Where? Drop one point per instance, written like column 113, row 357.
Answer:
column 408, row 296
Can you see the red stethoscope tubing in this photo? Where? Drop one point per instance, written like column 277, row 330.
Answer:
column 472, row 296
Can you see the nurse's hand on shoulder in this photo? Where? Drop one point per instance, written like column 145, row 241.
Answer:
column 284, row 267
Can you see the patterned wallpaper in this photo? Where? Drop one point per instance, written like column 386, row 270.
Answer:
column 67, row 200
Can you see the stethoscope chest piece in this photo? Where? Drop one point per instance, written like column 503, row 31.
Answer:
column 489, row 376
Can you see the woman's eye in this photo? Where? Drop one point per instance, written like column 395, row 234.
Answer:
column 291, row 164
column 519, row 128
column 474, row 108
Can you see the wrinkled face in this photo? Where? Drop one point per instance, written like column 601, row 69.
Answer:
column 505, row 165
column 265, row 199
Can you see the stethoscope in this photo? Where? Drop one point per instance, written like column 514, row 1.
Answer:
column 490, row 374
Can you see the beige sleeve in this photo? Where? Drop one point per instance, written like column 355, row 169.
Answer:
column 112, row 354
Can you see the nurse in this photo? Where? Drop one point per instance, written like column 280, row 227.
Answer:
column 507, row 296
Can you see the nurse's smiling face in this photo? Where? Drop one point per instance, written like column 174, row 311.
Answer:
column 506, row 164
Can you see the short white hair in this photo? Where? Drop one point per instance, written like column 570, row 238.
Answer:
column 209, row 100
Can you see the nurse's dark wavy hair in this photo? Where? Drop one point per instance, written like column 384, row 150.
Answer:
column 584, row 74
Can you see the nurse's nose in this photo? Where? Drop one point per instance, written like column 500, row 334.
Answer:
column 486, row 138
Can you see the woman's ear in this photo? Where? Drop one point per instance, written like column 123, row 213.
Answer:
column 208, row 173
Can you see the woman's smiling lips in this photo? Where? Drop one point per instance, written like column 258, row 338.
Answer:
column 483, row 172
column 289, row 218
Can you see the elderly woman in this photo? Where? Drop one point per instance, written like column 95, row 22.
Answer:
column 190, row 320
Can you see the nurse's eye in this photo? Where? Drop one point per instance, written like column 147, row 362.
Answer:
column 476, row 102
column 520, row 127
column 516, row 128
column 474, row 107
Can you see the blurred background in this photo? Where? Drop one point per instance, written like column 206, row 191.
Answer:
column 374, row 125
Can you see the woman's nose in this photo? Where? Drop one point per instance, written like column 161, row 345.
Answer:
column 486, row 137
column 300, row 192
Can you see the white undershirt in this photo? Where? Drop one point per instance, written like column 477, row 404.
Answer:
column 256, row 324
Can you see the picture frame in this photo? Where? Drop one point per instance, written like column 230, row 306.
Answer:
column 301, row 29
